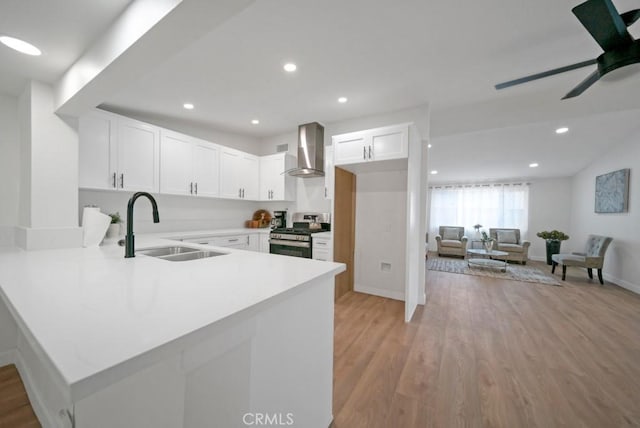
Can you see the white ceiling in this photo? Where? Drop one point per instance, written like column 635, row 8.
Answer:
column 383, row 55
column 497, row 154
column 62, row 30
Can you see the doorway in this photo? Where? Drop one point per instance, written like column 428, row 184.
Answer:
column 344, row 230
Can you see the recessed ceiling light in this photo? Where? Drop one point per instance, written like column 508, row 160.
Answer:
column 434, row 172
column 255, row 121
column 20, row 46
column 428, row 146
column 562, row 130
column 290, row 67
column 342, row 100
column 533, row 165
column 188, row 106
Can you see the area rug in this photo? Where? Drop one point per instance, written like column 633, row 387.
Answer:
column 514, row 272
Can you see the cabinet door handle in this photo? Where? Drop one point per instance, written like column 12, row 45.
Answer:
column 325, row 192
column 369, row 152
column 364, row 152
column 233, row 240
column 196, row 187
column 191, row 187
column 114, row 181
column 242, row 193
column 122, row 181
column 239, row 193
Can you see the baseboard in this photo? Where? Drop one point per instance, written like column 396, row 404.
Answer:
column 390, row 294
column 621, row 283
column 423, row 299
column 45, row 418
column 538, row 258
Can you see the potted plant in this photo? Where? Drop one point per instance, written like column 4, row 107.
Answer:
column 114, row 228
column 554, row 239
column 487, row 241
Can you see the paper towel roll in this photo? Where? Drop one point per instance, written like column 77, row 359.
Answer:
column 94, row 226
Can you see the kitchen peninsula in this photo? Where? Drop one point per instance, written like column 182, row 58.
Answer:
column 101, row 340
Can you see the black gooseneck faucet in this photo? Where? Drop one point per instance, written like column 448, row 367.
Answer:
column 130, row 250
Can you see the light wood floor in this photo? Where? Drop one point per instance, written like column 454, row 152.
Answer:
column 15, row 409
column 490, row 353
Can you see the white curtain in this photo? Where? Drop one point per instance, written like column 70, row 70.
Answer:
column 491, row 205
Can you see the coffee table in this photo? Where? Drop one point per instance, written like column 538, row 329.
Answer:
column 482, row 258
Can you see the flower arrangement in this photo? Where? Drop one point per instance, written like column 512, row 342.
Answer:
column 554, row 235
column 485, row 237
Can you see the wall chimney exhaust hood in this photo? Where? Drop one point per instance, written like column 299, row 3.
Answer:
column 310, row 151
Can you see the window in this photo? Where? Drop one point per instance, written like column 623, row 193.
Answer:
column 491, row 205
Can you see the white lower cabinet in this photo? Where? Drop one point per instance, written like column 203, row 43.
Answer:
column 322, row 247
column 248, row 241
column 264, row 243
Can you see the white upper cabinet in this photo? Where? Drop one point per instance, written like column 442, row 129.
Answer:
column 118, row 153
column 188, row 166
column 176, row 163
column 274, row 184
column 206, row 169
column 390, row 142
column 138, row 156
column 239, row 175
column 96, row 133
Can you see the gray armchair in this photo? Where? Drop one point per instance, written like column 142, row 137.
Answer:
column 451, row 241
column 508, row 240
column 591, row 258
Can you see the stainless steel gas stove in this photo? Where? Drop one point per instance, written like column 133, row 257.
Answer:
column 296, row 241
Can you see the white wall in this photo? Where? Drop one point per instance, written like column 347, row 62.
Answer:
column 622, row 262
column 381, row 224
column 48, row 215
column 9, row 168
column 549, row 209
column 177, row 213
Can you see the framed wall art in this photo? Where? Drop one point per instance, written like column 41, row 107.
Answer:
column 612, row 192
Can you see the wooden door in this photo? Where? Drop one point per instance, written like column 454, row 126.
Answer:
column 344, row 228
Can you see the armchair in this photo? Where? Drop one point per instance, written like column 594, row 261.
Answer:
column 591, row 258
column 508, row 240
column 451, row 241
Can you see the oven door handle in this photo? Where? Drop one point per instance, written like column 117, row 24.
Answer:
column 287, row 243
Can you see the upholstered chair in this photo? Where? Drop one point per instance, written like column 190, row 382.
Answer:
column 508, row 240
column 451, row 241
column 591, row 258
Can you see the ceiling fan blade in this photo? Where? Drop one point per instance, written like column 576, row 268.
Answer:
column 584, row 85
column 603, row 21
column 630, row 17
column 545, row 74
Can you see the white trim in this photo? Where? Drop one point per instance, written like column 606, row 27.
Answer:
column 423, row 299
column 381, row 292
column 621, row 283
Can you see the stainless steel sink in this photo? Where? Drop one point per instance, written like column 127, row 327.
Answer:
column 166, row 251
column 192, row 256
column 178, row 253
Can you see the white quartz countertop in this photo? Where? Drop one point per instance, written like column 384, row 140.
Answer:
column 92, row 310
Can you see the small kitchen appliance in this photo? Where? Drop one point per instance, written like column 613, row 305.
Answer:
column 279, row 219
column 297, row 241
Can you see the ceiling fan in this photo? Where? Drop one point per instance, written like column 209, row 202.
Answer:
column 609, row 29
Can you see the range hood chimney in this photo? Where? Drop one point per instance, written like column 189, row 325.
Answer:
column 310, row 151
